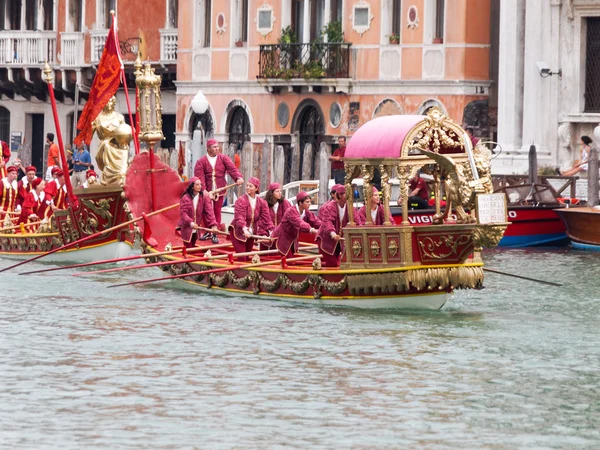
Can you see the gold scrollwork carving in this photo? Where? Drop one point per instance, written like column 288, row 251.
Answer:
column 393, row 247
column 488, row 236
column 356, row 249
column 431, row 247
column 375, row 248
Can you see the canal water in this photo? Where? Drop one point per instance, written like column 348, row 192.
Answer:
column 514, row 365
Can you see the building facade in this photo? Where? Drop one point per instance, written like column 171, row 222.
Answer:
column 70, row 35
column 549, row 81
column 280, row 73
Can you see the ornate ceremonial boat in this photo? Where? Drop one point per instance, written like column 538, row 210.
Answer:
column 99, row 208
column 583, row 226
column 390, row 266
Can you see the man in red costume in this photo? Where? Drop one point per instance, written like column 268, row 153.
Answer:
column 34, row 202
column 211, row 170
column 4, row 159
column 295, row 219
column 334, row 217
column 24, row 186
column 56, row 193
column 8, row 191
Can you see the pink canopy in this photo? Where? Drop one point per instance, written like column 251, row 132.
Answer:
column 381, row 137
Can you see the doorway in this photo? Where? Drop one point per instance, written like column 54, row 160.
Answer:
column 37, row 143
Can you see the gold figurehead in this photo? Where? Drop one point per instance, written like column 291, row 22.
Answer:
column 113, row 151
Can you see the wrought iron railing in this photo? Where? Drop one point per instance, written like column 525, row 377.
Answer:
column 310, row 61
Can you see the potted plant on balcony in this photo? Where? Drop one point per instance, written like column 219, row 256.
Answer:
column 334, row 57
column 394, row 38
column 239, row 43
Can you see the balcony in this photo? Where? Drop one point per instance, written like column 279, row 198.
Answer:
column 27, row 48
column 315, row 64
column 168, row 45
column 97, row 41
column 71, row 50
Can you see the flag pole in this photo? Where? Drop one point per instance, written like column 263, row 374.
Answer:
column 49, row 78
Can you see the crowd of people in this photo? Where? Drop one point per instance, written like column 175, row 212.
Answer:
column 27, row 198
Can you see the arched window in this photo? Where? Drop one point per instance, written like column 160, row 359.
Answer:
column 239, row 127
column 4, row 124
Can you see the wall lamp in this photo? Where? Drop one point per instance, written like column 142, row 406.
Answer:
column 545, row 71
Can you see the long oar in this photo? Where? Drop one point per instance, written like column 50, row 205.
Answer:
column 2, row 230
column 91, row 236
column 125, row 258
column 210, row 230
column 180, row 261
column 551, row 283
column 205, row 272
column 224, row 188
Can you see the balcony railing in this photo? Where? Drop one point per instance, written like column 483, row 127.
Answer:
column 97, row 41
column 71, row 49
column 168, row 45
column 27, row 48
column 309, row 61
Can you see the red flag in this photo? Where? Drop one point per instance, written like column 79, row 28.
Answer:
column 105, row 85
column 181, row 158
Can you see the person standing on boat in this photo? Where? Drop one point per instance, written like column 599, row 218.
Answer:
column 211, row 169
column 24, row 186
column 8, row 194
column 376, row 211
column 31, row 209
column 418, row 193
column 278, row 205
column 250, row 213
column 52, row 156
column 56, row 193
column 334, row 217
column 195, row 208
column 337, row 163
column 296, row 219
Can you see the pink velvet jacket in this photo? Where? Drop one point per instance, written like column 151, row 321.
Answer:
column 243, row 217
column 203, row 215
column 361, row 216
column 276, row 218
column 330, row 221
column 223, row 166
column 289, row 229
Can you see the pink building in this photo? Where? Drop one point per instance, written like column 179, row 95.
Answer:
column 70, row 35
column 279, row 73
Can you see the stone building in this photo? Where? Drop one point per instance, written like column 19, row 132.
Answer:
column 281, row 78
column 549, row 80
column 70, row 35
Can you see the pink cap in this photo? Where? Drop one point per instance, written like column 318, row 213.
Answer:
column 334, row 187
column 340, row 189
column 193, row 180
column 211, row 142
column 273, row 186
column 301, row 196
column 255, row 181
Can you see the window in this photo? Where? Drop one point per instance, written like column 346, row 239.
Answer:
column 172, row 11
column 207, row 23
column 48, row 15
column 13, row 11
column 264, row 19
column 109, row 5
column 31, row 14
column 336, row 10
column 396, row 17
column 4, row 124
column 592, row 66
column 75, row 15
column 439, row 21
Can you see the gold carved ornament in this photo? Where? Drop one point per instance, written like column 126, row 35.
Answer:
column 356, row 249
column 375, row 249
column 393, row 248
column 431, row 247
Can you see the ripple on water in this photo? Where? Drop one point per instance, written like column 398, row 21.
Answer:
column 513, row 365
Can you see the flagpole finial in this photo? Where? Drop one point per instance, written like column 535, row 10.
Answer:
column 138, row 65
column 48, row 77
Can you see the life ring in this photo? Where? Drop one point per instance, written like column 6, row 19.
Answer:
column 568, row 201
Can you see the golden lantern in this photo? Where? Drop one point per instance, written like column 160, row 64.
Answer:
column 149, row 107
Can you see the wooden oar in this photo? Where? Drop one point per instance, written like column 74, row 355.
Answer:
column 19, row 226
column 180, row 261
column 127, row 258
column 220, row 269
column 91, row 236
column 551, row 283
column 211, row 194
column 210, row 230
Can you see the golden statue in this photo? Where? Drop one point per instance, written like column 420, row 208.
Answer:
column 113, row 151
